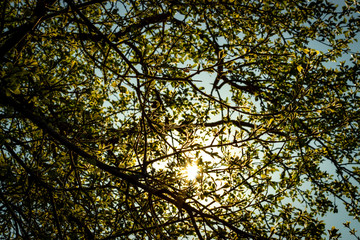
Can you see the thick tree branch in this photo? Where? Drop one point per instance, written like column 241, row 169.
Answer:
column 29, row 112
column 25, row 29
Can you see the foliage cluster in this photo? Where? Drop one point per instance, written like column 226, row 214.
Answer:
column 104, row 103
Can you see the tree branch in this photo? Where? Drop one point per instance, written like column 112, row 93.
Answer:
column 23, row 30
column 28, row 111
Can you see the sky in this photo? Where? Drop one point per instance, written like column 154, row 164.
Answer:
column 331, row 219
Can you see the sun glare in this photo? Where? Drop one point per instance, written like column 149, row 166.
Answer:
column 192, row 171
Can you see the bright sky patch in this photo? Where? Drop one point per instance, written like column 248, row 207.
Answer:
column 192, row 171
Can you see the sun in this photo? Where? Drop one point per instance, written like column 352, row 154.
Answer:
column 192, row 171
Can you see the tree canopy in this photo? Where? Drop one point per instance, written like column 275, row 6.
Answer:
column 104, row 105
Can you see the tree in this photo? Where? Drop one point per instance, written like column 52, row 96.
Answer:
column 105, row 103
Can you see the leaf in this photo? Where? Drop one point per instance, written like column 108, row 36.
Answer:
column 306, row 51
column 16, row 91
column 299, row 68
column 270, row 122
